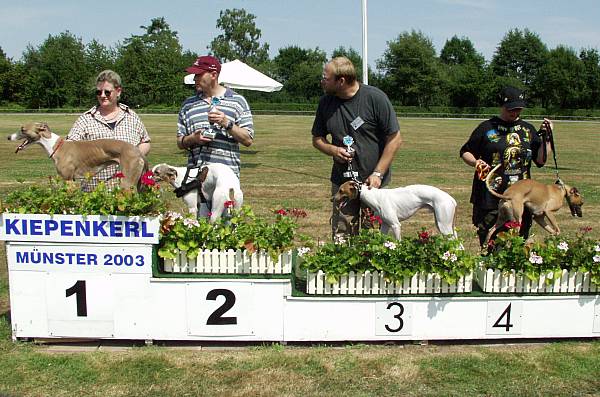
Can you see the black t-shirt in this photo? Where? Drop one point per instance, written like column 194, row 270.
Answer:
column 497, row 141
column 335, row 116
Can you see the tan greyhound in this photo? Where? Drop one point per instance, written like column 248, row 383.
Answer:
column 542, row 200
column 77, row 159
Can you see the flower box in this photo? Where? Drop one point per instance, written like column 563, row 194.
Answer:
column 230, row 262
column 374, row 283
column 497, row 281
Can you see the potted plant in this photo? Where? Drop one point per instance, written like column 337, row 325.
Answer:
column 238, row 243
column 373, row 263
column 558, row 264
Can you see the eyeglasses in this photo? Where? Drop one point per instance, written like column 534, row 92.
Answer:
column 106, row 92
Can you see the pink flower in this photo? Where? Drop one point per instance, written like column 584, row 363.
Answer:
column 147, row 179
column 512, row 225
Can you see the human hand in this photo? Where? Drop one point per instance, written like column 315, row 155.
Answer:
column 482, row 168
column 547, row 126
column 373, row 181
column 341, row 155
column 197, row 138
column 215, row 116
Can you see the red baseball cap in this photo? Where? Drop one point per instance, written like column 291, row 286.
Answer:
column 206, row 63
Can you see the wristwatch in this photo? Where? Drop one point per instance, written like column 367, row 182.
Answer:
column 229, row 125
column 377, row 174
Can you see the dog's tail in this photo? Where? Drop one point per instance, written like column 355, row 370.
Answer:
column 488, row 183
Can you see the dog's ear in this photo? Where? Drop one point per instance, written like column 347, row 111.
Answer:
column 172, row 173
column 574, row 191
column 203, row 174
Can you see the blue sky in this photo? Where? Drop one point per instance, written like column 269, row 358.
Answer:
column 326, row 24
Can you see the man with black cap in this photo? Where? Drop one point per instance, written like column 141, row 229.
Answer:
column 215, row 121
column 506, row 140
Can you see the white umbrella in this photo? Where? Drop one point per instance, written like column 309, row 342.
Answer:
column 236, row 74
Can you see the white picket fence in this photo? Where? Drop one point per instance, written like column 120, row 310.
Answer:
column 491, row 280
column 230, row 262
column 374, row 283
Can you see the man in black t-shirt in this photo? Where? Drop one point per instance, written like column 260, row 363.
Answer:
column 512, row 142
column 363, row 115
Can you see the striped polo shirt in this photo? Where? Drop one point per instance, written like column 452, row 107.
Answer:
column 193, row 116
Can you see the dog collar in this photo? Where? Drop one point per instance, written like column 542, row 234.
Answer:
column 57, row 145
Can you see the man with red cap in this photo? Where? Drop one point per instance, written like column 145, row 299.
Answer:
column 214, row 121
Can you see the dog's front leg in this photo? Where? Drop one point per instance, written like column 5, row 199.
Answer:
column 551, row 227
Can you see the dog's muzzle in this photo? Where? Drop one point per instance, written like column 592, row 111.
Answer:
column 576, row 210
column 341, row 203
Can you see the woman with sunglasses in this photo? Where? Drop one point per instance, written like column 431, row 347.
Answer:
column 109, row 120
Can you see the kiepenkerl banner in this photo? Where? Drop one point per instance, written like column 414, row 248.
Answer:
column 79, row 228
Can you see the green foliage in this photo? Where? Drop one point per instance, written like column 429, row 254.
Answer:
column 60, row 197
column 241, row 229
column 520, row 56
column 300, row 70
column 411, row 69
column 240, row 38
column 371, row 250
column 550, row 256
column 151, row 66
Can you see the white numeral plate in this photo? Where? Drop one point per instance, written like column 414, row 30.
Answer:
column 393, row 318
column 80, row 305
column 220, row 309
column 504, row 317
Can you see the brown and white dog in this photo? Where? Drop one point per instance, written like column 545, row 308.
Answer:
column 542, row 200
column 219, row 184
column 77, row 159
column 396, row 205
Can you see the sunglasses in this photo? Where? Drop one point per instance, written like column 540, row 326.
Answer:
column 106, row 92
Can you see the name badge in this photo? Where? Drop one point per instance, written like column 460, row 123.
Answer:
column 357, row 123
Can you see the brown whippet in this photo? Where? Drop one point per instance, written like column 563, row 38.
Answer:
column 542, row 200
column 77, row 159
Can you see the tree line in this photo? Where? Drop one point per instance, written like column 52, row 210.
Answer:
column 60, row 71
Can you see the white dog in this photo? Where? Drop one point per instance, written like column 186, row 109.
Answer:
column 396, row 205
column 218, row 182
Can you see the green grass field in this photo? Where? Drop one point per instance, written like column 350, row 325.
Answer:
column 283, row 169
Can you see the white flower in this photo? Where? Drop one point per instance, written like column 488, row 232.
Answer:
column 597, row 248
column 339, row 239
column 390, row 245
column 174, row 215
column 448, row 256
column 190, row 222
column 303, row 251
column 563, row 246
column 535, row 258
column 596, row 258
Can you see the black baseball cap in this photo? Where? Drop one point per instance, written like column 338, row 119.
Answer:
column 512, row 98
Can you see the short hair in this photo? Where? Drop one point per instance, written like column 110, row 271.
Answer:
column 110, row 77
column 343, row 67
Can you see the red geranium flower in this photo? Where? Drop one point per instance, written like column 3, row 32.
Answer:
column 374, row 218
column 424, row 236
column 118, row 175
column 512, row 225
column 281, row 212
column 229, row 204
column 586, row 229
column 298, row 213
column 147, row 179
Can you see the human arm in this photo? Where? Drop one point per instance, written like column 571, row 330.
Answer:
column 144, row 148
column 392, row 144
column 339, row 154
column 545, row 133
column 240, row 134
